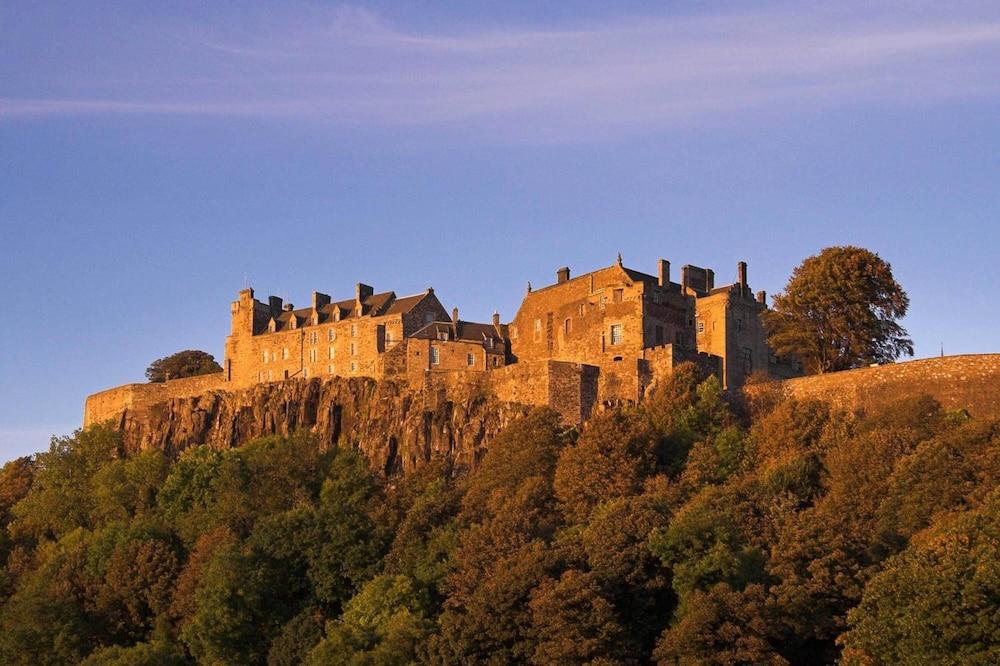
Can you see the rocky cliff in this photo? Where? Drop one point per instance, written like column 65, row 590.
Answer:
column 398, row 428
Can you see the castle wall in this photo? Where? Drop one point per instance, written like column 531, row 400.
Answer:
column 110, row 404
column 970, row 382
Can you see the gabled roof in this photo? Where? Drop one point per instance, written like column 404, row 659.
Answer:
column 405, row 304
column 382, row 304
column 467, row 331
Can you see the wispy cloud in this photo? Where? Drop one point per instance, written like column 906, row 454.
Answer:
column 350, row 67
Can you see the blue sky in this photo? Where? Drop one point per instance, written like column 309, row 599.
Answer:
column 153, row 158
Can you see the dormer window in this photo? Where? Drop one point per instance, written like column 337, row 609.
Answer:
column 443, row 335
column 272, row 326
column 293, row 322
column 315, row 319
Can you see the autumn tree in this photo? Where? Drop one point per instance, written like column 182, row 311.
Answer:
column 839, row 310
column 936, row 602
column 187, row 363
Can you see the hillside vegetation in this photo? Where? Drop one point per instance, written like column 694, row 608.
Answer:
column 684, row 531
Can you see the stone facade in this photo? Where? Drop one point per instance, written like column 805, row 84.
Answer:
column 600, row 338
column 633, row 326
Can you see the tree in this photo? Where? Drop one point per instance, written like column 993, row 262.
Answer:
column 187, row 363
column 839, row 311
column 936, row 602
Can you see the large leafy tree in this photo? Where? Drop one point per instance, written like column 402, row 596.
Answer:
column 187, row 363
column 839, row 310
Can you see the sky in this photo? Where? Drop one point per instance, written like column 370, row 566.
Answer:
column 157, row 157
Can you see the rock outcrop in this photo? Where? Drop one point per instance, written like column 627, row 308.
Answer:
column 396, row 427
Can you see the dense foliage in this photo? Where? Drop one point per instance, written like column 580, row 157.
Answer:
column 187, row 363
column 685, row 531
column 839, row 310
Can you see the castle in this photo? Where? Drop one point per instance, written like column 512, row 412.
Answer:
column 612, row 331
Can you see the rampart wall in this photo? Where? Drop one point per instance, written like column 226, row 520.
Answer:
column 970, row 382
column 110, row 404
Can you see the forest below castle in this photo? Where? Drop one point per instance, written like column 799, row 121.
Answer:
column 687, row 530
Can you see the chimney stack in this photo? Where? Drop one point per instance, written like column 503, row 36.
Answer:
column 288, row 307
column 562, row 275
column 496, row 318
column 361, row 292
column 709, row 279
column 741, row 274
column 274, row 305
column 320, row 300
column 454, row 315
column 664, row 271
column 762, row 297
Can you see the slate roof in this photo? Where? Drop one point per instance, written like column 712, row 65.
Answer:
column 468, row 331
column 385, row 303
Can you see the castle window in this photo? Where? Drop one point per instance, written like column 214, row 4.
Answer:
column 354, row 330
column 567, row 326
column 305, row 373
column 329, row 369
column 354, row 349
column 616, row 334
column 538, row 329
column 331, row 335
column 312, row 337
column 331, row 353
column 739, row 324
column 270, row 375
column 260, row 376
column 701, row 327
column 312, row 355
column 354, row 366
column 265, row 356
column 470, row 360
column 284, row 353
column 617, row 295
column 582, row 308
column 435, row 356
column 496, row 361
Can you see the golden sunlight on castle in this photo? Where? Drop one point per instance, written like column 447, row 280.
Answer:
column 624, row 327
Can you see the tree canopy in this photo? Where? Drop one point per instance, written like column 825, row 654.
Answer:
column 840, row 310
column 673, row 532
column 187, row 363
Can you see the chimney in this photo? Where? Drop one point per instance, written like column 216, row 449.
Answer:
column 454, row 315
column 361, row 292
column 496, row 318
column 320, row 300
column 274, row 305
column 664, row 271
column 762, row 297
column 288, row 307
column 709, row 279
column 685, row 282
column 562, row 275
column 741, row 274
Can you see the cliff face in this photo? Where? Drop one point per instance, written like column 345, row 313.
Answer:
column 396, row 427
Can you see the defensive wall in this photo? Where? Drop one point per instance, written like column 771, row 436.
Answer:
column 112, row 403
column 970, row 382
column 179, row 412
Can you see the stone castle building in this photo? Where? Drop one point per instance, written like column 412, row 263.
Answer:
column 602, row 336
